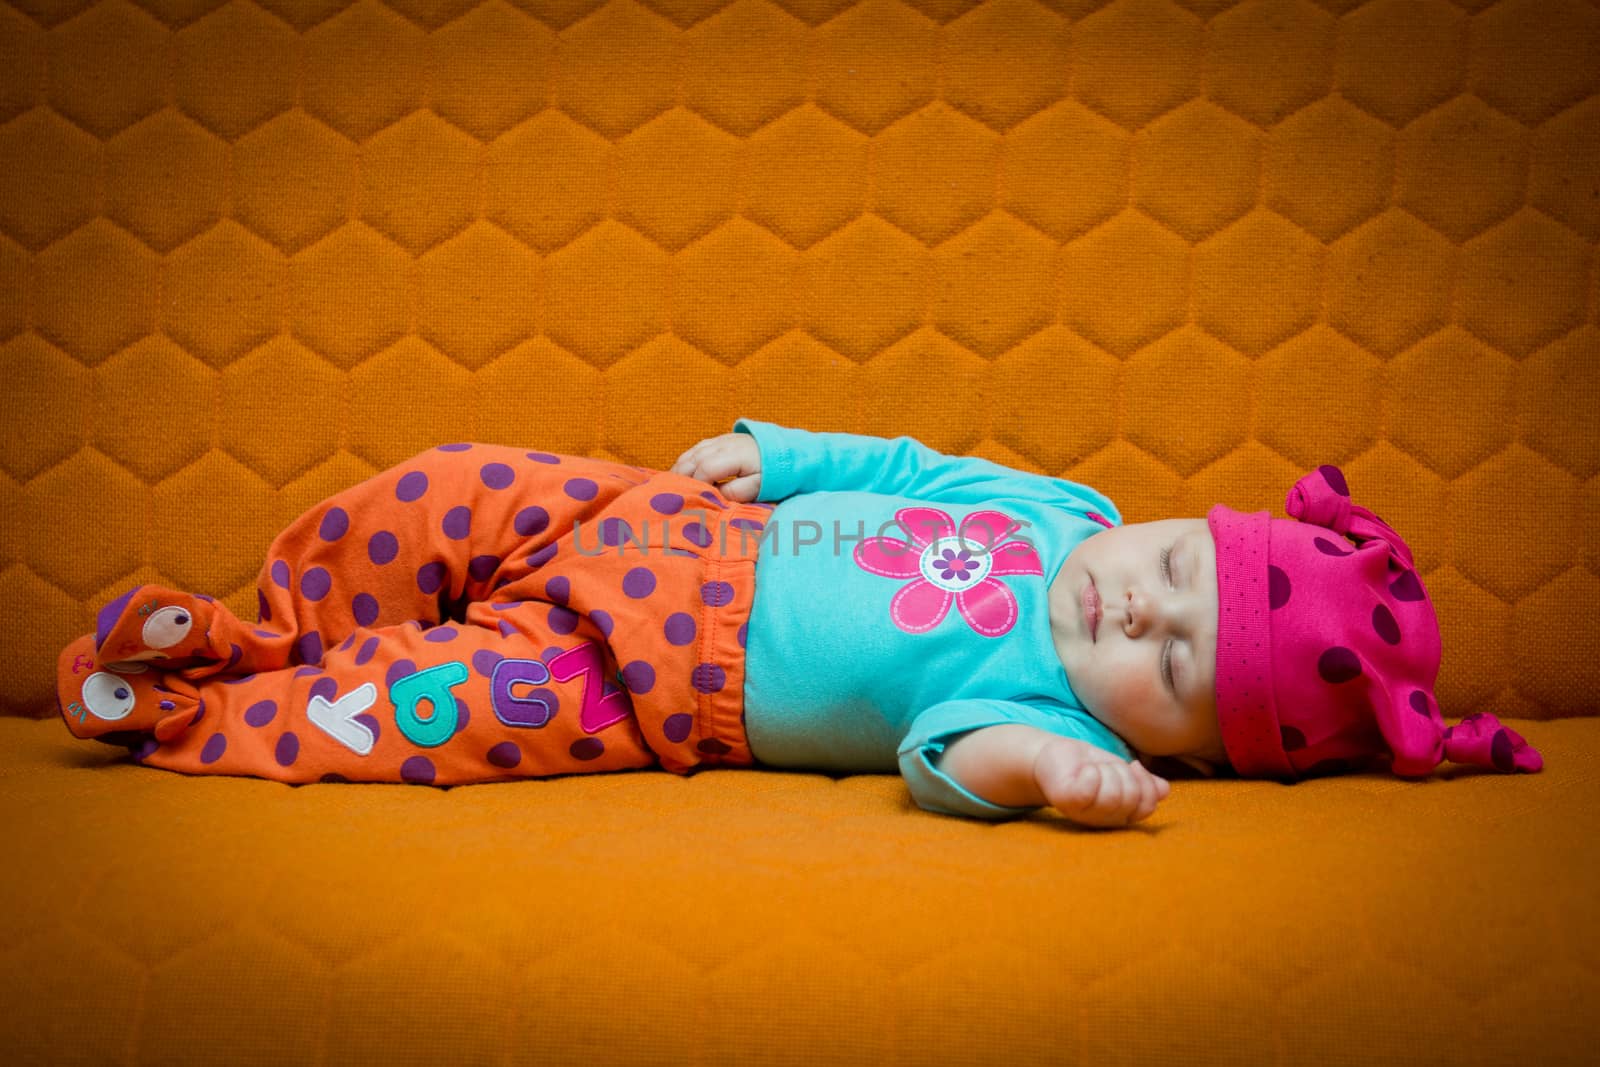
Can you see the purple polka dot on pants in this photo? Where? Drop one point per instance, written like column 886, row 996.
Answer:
column 543, row 457
column 581, row 489
column 440, row 634
column 482, row 568
column 602, row 621
column 531, row 520
column 506, row 755
column 316, row 583
column 484, row 662
column 543, row 556
column 639, row 582
column 430, row 577
column 614, row 531
column 280, row 574
column 287, row 750
column 716, row 594
column 458, row 447
column 260, row 713
column 558, row 589
column 587, row 748
column 497, row 475
column 216, row 745
column 639, row 677
column 335, row 524
column 400, row 668
column 457, row 523
column 383, row 547
column 365, row 652
column 677, row 727
column 411, row 486
column 709, row 678
column 365, row 609
column 666, row 503
column 309, row 648
column 679, row 628
column 697, row 534
column 563, row 620
column 743, row 634
column 326, row 688
column 417, row 770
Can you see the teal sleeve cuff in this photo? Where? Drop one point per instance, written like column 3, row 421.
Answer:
column 777, row 458
column 937, row 727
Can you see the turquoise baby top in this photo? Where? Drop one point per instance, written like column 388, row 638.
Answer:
column 902, row 601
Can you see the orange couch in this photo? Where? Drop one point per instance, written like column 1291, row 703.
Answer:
column 253, row 252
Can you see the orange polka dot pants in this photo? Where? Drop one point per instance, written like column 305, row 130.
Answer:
column 478, row 613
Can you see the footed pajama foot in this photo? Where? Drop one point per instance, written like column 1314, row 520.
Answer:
column 158, row 626
column 99, row 700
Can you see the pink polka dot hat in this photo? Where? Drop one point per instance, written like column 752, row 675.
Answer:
column 1327, row 651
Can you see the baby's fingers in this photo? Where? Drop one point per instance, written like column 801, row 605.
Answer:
column 1112, row 794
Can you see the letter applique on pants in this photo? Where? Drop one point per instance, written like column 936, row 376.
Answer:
column 478, row 613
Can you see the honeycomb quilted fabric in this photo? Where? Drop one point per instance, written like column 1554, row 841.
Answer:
column 253, row 251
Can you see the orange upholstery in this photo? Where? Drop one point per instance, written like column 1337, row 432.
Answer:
column 252, row 251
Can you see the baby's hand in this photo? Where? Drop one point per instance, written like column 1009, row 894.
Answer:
column 733, row 459
column 1093, row 787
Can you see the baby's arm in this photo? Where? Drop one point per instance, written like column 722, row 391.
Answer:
column 1022, row 766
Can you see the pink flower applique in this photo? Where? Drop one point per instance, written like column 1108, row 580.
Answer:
column 949, row 565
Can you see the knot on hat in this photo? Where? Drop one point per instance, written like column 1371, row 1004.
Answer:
column 1482, row 740
column 1321, row 497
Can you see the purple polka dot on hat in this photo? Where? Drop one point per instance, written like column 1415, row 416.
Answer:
column 709, row 678
column 365, row 653
column 613, row 531
column 558, row 589
column 430, row 577
column 639, row 582
column 316, row 583
column 441, row 634
column 335, row 524
column 260, row 713
column 543, row 457
column 1407, row 587
column 417, row 770
column 677, row 727
column 216, row 745
column 1330, row 548
column 587, row 748
column 543, row 556
column 580, row 488
column 639, row 676
column 364, row 608
column 383, row 547
column 531, row 520
column 287, row 750
column 679, row 628
column 1384, row 624
column 1338, row 665
column 280, row 574
column 457, row 524
column 1278, row 587
column 497, row 475
column 263, row 609
column 324, row 687
column 457, row 447
column 482, row 568
column 411, row 487
column 505, row 755
column 666, row 503
column 602, row 622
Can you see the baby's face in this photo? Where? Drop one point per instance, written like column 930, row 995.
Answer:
column 1138, row 637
